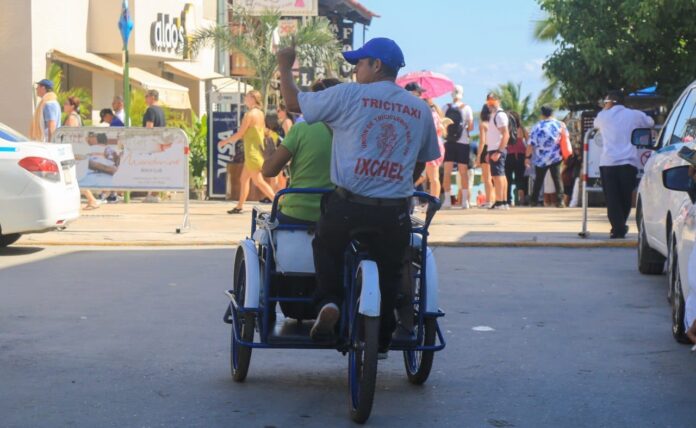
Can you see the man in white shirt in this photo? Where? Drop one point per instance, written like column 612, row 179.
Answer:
column 457, row 147
column 619, row 161
column 117, row 107
column 497, row 139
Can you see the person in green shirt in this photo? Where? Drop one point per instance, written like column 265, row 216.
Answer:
column 309, row 148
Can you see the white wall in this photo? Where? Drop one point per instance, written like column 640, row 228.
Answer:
column 15, row 62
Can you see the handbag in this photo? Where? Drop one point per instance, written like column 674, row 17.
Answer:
column 564, row 142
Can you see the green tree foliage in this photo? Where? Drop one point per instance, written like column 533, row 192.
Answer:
column 511, row 99
column 55, row 74
column 197, row 133
column 619, row 44
column 253, row 37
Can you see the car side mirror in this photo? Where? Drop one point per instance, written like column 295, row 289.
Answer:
column 678, row 178
column 643, row 138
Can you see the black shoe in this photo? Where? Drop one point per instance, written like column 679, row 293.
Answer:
column 621, row 235
column 265, row 201
column 402, row 335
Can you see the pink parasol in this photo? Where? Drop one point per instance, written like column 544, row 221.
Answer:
column 435, row 84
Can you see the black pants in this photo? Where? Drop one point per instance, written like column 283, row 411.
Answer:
column 618, row 183
column 387, row 240
column 514, row 171
column 540, row 174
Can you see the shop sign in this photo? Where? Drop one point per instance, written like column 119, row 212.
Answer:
column 169, row 34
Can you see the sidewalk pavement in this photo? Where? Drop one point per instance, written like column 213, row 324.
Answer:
column 142, row 224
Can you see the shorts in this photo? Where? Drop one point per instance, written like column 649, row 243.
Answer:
column 497, row 167
column 483, row 153
column 457, row 152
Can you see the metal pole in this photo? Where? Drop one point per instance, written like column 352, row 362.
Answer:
column 585, row 170
column 126, row 102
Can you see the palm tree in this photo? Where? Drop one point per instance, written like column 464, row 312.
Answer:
column 511, row 100
column 55, row 74
column 545, row 30
column 254, row 37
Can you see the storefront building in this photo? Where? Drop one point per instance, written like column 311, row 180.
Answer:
column 82, row 37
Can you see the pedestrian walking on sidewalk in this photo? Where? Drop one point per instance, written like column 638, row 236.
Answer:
column 47, row 114
column 618, row 164
column 482, row 157
column 544, row 151
column 252, row 133
column 497, row 137
column 457, row 148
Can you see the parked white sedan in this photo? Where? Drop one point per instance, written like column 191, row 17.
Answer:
column 38, row 186
column 666, row 215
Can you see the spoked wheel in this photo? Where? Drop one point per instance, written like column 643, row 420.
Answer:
column 362, row 367
column 242, row 324
column 362, row 356
column 678, row 305
column 419, row 363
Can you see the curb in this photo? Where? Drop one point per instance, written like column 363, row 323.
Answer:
column 444, row 244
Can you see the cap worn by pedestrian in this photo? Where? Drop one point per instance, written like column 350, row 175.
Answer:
column 414, row 87
column 104, row 112
column 382, row 48
column 46, row 83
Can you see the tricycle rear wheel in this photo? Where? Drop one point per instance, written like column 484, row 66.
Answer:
column 419, row 363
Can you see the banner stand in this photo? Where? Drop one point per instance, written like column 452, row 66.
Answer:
column 131, row 159
column 186, row 223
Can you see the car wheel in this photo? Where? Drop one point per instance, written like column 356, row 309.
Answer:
column 678, row 304
column 6, row 240
column 650, row 262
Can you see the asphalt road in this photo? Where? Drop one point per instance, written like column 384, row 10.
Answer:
column 135, row 339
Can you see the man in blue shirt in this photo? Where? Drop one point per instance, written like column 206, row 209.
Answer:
column 47, row 115
column 382, row 137
column 107, row 116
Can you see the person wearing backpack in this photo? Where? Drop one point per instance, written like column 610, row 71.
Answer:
column 457, row 149
column 514, row 161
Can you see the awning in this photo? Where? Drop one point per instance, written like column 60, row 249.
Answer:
column 227, row 85
column 190, row 70
column 170, row 94
column 350, row 9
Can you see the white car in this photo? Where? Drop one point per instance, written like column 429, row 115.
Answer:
column 38, row 190
column 666, row 216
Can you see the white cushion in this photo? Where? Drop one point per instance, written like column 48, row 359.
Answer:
column 293, row 251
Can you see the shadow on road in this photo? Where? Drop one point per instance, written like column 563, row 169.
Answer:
column 19, row 251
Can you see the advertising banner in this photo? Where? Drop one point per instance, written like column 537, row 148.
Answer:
column 285, row 7
column 128, row 158
column 223, row 124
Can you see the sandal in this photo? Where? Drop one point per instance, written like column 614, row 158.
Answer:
column 91, row 207
column 235, row 210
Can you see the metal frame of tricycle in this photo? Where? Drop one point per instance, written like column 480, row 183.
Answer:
column 353, row 257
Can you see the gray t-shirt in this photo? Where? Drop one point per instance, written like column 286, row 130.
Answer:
column 379, row 132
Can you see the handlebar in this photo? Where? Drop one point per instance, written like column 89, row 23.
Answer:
column 434, row 203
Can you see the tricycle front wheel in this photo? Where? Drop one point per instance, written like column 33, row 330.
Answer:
column 362, row 367
column 419, row 363
column 242, row 324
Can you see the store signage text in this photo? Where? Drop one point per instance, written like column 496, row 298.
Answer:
column 166, row 33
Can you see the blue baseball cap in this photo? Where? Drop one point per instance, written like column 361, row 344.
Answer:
column 380, row 48
column 45, row 83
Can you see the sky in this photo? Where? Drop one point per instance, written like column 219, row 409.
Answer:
column 477, row 44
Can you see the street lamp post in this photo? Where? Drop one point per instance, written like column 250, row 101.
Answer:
column 125, row 26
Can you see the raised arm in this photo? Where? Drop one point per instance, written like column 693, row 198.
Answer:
column 288, row 87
